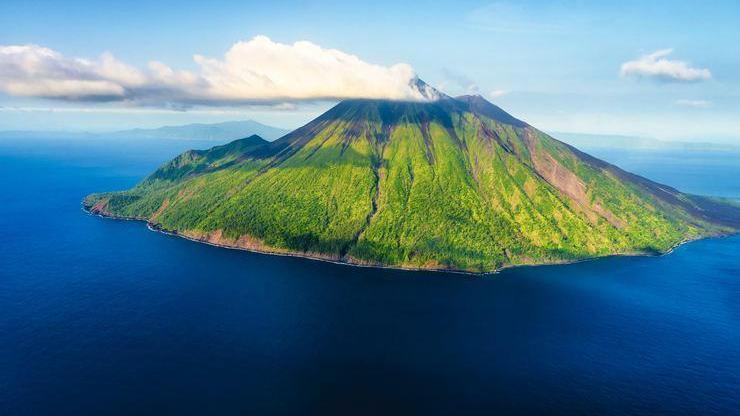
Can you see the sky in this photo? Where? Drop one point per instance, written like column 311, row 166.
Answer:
column 668, row 70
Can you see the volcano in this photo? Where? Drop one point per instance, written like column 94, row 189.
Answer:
column 450, row 184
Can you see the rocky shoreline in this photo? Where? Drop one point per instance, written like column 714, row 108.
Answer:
column 330, row 259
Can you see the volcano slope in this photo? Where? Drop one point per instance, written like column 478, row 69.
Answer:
column 454, row 184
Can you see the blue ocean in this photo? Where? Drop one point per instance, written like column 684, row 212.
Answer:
column 102, row 317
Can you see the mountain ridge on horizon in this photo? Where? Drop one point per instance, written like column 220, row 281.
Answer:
column 453, row 184
column 226, row 130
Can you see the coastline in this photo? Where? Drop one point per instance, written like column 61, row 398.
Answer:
column 154, row 227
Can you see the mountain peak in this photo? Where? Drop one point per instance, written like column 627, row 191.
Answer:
column 255, row 138
column 426, row 91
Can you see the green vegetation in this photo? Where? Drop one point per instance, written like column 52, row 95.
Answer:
column 455, row 184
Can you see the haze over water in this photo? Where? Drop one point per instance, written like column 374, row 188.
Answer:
column 106, row 317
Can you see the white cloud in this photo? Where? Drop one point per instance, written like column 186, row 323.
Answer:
column 694, row 103
column 146, row 110
column 37, row 71
column 656, row 65
column 497, row 93
column 251, row 72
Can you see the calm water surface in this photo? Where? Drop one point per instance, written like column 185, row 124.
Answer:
column 105, row 317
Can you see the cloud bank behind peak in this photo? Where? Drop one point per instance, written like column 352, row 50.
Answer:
column 257, row 71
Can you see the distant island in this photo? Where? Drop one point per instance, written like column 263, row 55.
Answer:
column 617, row 142
column 229, row 130
column 451, row 184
